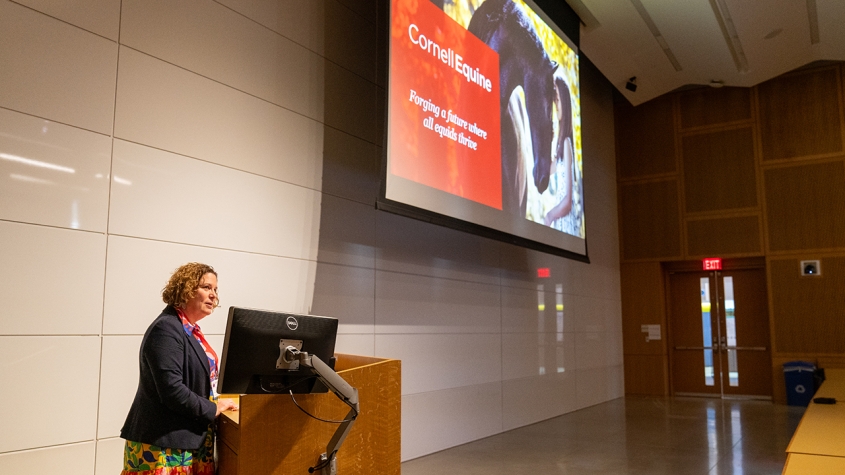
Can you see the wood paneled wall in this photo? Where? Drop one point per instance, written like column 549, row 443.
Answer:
column 649, row 138
column 652, row 227
column 718, row 170
column 800, row 115
column 804, row 206
column 736, row 172
column 646, row 367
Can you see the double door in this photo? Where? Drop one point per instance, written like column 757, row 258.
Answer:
column 719, row 333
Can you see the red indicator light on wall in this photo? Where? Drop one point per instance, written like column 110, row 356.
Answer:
column 712, row 263
column 544, row 273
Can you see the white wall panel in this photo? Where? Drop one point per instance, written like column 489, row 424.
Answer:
column 600, row 281
column 356, row 344
column 159, row 195
column 614, row 349
column 581, row 314
column 520, row 310
column 347, row 232
column 410, row 246
column 109, row 456
column 607, row 257
column 73, row 459
column 407, row 303
column 52, row 280
column 138, row 269
column 571, row 275
column 351, row 40
column 54, row 70
column 216, row 342
column 529, row 355
column 520, row 265
column 97, row 16
column 119, row 373
column 326, row 27
column 216, row 42
column 437, row 420
column 597, row 385
column 352, row 104
column 529, row 400
column 56, row 400
column 614, row 316
column 366, row 8
column 601, row 314
column 167, row 107
column 301, row 21
column 591, row 350
column 435, row 362
column 53, row 174
column 602, row 227
column 350, row 167
column 536, row 309
column 346, row 293
column 524, row 277
column 610, row 317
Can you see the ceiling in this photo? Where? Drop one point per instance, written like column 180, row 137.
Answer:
column 670, row 44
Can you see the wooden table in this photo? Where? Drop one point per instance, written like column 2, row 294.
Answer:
column 818, row 445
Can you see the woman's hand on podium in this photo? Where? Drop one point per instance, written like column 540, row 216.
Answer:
column 226, row 405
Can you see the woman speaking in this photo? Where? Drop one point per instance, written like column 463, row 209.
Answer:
column 169, row 429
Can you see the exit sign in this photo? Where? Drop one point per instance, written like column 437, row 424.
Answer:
column 712, row 263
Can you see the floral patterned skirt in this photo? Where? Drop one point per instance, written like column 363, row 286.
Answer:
column 146, row 459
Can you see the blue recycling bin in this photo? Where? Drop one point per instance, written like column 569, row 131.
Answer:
column 800, row 383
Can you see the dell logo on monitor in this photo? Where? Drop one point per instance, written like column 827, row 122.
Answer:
column 292, row 323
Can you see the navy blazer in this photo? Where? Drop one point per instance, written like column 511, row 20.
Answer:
column 171, row 407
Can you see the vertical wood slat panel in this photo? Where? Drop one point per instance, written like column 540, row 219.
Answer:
column 642, row 304
column 723, row 236
column 799, row 114
column 645, row 142
column 650, row 220
column 645, row 375
column 805, row 206
column 719, row 172
column 808, row 314
column 708, row 106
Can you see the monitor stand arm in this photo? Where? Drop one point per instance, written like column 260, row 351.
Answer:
column 341, row 389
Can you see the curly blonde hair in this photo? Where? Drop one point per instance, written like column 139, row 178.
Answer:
column 184, row 282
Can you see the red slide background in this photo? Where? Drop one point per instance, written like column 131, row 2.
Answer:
column 418, row 153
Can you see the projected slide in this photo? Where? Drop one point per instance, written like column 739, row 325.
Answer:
column 484, row 118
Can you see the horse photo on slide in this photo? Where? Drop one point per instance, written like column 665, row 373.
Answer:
column 539, row 111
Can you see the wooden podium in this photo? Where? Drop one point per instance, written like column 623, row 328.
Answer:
column 269, row 435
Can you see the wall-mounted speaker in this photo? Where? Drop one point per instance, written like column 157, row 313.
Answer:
column 811, row 268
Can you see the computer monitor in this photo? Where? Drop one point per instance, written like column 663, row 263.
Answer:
column 252, row 363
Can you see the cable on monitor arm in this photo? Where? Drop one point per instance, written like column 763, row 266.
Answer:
column 317, row 418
